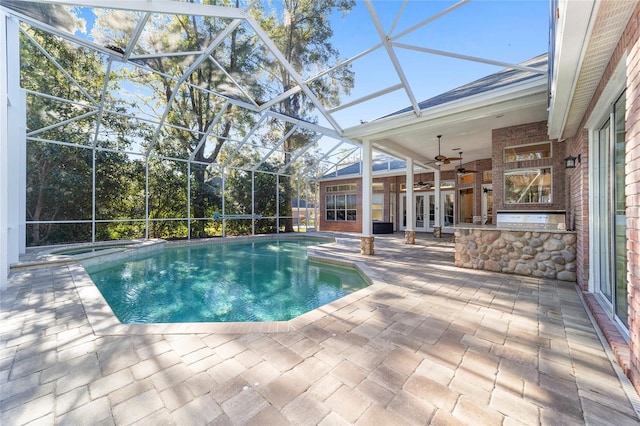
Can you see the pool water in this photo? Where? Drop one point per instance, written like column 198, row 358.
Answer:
column 267, row 280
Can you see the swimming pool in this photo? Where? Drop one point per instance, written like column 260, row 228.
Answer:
column 259, row 280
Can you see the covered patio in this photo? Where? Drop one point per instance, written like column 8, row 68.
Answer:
column 436, row 345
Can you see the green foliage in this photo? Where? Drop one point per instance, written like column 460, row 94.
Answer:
column 77, row 170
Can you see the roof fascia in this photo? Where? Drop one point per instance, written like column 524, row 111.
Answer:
column 574, row 24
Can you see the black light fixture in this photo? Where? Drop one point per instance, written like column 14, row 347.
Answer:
column 570, row 162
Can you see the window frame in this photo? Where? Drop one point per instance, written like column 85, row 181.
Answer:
column 511, row 172
column 341, row 208
column 516, row 159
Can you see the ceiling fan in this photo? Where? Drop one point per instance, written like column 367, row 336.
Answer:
column 461, row 170
column 441, row 159
column 423, row 185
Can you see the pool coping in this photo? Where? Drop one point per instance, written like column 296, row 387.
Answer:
column 105, row 323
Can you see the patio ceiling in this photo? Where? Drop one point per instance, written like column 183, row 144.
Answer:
column 404, row 41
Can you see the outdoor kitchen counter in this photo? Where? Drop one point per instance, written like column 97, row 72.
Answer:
column 530, row 251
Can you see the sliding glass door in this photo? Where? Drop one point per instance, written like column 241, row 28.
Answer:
column 610, row 224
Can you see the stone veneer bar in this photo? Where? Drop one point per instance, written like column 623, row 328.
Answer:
column 530, row 252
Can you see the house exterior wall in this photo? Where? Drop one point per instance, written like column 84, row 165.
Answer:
column 335, row 225
column 631, row 43
column 578, row 195
column 392, row 185
column 578, row 203
column 522, row 135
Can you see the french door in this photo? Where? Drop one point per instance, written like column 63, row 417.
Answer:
column 421, row 211
column 425, row 211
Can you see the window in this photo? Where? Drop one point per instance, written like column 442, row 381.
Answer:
column 527, row 152
column 487, row 176
column 341, row 207
column 466, row 179
column 337, row 188
column 377, row 206
column 527, row 186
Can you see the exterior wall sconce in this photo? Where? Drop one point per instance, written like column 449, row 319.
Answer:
column 570, row 162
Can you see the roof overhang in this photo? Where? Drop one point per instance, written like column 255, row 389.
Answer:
column 573, row 25
column 464, row 123
column 586, row 34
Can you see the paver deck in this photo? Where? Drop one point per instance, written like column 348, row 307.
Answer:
column 435, row 345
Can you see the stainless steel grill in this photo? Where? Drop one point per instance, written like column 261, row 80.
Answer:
column 532, row 219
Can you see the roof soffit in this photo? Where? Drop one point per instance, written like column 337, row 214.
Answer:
column 504, row 99
column 609, row 24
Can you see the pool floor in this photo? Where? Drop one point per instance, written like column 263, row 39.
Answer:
column 264, row 280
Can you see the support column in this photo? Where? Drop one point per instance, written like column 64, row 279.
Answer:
column 366, row 240
column 437, row 225
column 409, row 230
column 12, row 155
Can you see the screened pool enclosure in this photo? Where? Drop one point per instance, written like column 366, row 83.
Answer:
column 185, row 119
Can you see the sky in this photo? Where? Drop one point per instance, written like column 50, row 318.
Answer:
column 509, row 31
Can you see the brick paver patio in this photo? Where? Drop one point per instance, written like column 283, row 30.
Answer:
column 434, row 345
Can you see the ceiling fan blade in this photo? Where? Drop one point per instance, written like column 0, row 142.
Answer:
column 446, row 161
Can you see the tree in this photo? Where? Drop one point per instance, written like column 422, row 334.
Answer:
column 59, row 175
column 303, row 35
column 193, row 105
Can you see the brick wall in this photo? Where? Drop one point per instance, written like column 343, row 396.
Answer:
column 578, row 203
column 340, row 225
column 396, row 182
column 356, row 225
column 577, row 182
column 523, row 135
column 631, row 43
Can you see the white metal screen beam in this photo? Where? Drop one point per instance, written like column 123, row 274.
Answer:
column 300, row 152
column 101, row 107
column 469, row 58
column 368, row 97
column 137, row 32
column 196, row 63
column 233, row 80
column 244, row 141
column 426, row 21
column 156, row 6
column 60, row 67
column 209, row 129
column 294, row 74
column 62, row 123
column 275, row 147
column 392, row 56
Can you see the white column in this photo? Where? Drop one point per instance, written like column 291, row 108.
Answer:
column 437, row 202
column 367, row 183
column 409, row 202
column 11, row 154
